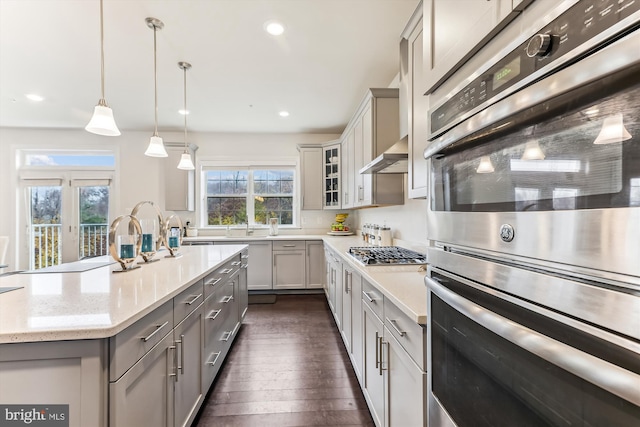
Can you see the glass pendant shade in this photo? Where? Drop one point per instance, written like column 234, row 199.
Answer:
column 485, row 165
column 102, row 122
column 185, row 162
column 612, row 131
column 156, row 148
column 532, row 151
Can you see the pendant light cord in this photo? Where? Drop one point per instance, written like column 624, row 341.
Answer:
column 155, row 79
column 102, row 101
column 185, row 110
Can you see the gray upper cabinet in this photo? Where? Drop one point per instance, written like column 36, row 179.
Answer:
column 452, row 37
column 311, row 177
column 179, row 185
column 414, row 105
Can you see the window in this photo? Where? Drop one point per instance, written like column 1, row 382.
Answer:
column 249, row 195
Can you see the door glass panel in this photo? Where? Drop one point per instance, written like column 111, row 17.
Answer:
column 585, row 157
column 46, row 226
column 93, row 238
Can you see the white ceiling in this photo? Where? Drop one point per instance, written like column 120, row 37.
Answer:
column 318, row 70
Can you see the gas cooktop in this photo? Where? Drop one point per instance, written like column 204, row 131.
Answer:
column 386, row 255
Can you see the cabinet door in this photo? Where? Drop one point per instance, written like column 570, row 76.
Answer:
column 189, row 343
column 315, row 264
column 144, row 395
column 259, row 266
column 243, row 295
column 451, row 35
column 405, row 386
column 418, row 116
column 311, row 174
column 356, row 323
column 365, row 181
column 345, row 329
column 338, row 298
column 289, row 269
column 332, row 160
column 373, row 381
column 348, row 183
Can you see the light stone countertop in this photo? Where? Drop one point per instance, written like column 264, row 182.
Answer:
column 98, row 303
column 402, row 285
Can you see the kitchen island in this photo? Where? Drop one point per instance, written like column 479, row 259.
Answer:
column 134, row 348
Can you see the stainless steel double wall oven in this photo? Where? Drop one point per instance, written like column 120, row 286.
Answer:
column 534, row 228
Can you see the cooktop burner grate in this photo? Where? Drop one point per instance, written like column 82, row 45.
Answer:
column 386, row 255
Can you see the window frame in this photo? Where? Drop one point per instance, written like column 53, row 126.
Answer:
column 204, row 165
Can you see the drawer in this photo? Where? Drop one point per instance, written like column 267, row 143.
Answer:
column 411, row 336
column 215, row 313
column 220, row 275
column 288, row 245
column 128, row 346
column 187, row 301
column 373, row 298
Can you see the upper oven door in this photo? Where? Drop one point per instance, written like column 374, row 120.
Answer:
column 550, row 173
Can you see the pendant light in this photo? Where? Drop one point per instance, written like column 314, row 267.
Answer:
column 156, row 147
column 102, row 122
column 185, row 160
column 612, row 130
column 532, row 151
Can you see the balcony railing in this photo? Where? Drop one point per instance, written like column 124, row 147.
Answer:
column 47, row 238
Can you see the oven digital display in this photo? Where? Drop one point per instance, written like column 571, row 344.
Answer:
column 506, row 73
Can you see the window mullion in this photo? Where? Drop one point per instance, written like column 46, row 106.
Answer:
column 250, row 199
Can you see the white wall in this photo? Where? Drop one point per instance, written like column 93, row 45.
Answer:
column 139, row 176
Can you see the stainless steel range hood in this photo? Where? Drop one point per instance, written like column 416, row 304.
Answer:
column 394, row 160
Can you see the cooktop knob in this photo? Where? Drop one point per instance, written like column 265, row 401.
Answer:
column 539, row 45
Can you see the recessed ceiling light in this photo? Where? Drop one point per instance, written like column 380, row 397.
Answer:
column 34, row 97
column 183, row 112
column 284, row 114
column 274, row 28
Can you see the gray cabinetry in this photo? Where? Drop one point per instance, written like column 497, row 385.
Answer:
column 145, row 394
column 64, row 373
column 243, row 295
column 259, row 263
column 416, row 104
column 332, row 159
column 372, row 375
column 315, row 264
column 289, row 269
column 311, row 174
column 354, row 287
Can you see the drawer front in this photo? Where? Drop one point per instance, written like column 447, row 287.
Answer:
column 373, row 298
column 213, row 280
column 411, row 336
column 127, row 347
column 187, row 301
column 215, row 312
column 288, row 245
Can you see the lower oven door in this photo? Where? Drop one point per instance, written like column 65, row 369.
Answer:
column 495, row 362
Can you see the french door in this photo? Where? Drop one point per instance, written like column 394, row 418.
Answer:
column 68, row 218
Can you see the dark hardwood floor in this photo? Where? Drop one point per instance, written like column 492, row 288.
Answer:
column 288, row 367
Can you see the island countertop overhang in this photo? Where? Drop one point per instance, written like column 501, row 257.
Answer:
column 97, row 303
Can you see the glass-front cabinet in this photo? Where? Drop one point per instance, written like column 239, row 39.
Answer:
column 332, row 183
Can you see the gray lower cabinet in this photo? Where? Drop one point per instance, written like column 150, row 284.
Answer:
column 64, row 373
column 289, row 266
column 258, row 260
column 189, row 393
column 372, row 375
column 243, row 286
column 315, row 264
column 144, row 395
column 386, row 348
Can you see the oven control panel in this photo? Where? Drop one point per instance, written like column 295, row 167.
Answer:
column 572, row 29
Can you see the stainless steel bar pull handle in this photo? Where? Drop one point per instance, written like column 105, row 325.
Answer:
column 394, row 324
column 213, row 314
column 227, row 298
column 213, row 282
column 226, row 336
column 366, row 294
column 377, row 351
column 155, row 331
column 236, row 263
column 173, row 372
column 213, row 362
column 288, row 246
column 380, row 369
column 195, row 298
column 226, row 270
column 181, row 365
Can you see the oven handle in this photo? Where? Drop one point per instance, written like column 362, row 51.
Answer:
column 603, row 374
